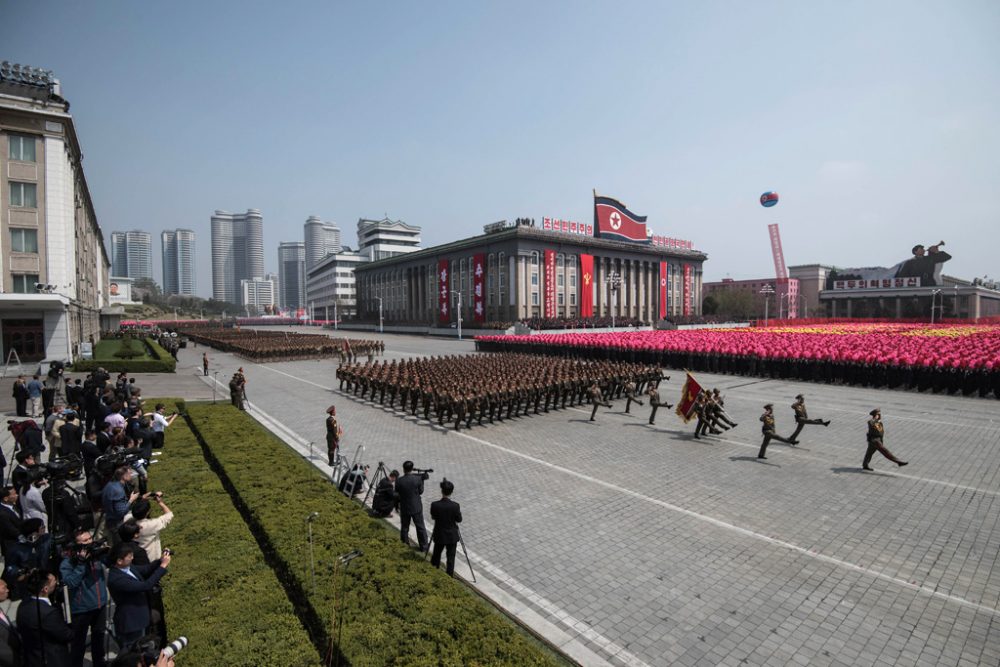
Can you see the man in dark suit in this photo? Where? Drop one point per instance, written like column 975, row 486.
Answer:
column 10, row 639
column 409, row 488
column 45, row 636
column 447, row 514
column 129, row 587
column 10, row 518
column 70, row 436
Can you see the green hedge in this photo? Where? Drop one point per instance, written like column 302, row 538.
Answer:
column 164, row 364
column 397, row 609
column 219, row 592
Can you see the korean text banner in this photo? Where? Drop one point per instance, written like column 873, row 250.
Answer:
column 478, row 287
column 444, row 315
column 550, row 283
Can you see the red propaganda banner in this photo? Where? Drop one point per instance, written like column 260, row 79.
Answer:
column 478, row 287
column 550, row 283
column 586, row 285
column 690, row 391
column 663, row 290
column 546, row 223
column 614, row 221
column 687, row 289
column 443, row 311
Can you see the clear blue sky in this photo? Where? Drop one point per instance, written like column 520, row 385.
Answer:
column 877, row 122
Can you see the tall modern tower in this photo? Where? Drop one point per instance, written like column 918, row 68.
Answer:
column 178, row 261
column 291, row 274
column 132, row 254
column 322, row 239
column 237, row 252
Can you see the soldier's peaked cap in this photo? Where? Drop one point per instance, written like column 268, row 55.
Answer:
column 768, row 406
column 800, row 396
column 875, row 412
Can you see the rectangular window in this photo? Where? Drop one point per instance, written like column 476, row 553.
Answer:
column 561, row 298
column 21, row 147
column 23, row 195
column 23, row 240
column 534, row 278
column 559, row 280
column 572, row 280
column 534, row 298
column 24, row 283
column 572, row 299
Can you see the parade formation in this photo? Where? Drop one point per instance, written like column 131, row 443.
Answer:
column 263, row 346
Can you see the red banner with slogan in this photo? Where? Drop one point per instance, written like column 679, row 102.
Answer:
column 687, row 289
column 663, row 290
column 550, row 283
column 586, row 285
column 444, row 314
column 478, row 287
column 614, row 221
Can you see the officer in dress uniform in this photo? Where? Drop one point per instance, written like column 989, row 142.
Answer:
column 630, row 395
column 802, row 418
column 333, row 433
column 654, row 402
column 876, row 433
column 767, row 428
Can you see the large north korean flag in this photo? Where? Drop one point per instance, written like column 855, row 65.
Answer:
column 613, row 221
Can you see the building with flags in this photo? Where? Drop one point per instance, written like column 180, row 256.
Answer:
column 559, row 269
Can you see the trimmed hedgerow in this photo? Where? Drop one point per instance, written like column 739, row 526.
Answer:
column 396, row 610
column 219, row 591
column 157, row 359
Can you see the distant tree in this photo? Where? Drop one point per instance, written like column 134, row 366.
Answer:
column 709, row 306
column 735, row 303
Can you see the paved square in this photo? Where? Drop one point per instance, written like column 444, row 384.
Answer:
column 651, row 548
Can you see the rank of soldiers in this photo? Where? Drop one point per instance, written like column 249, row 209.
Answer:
column 492, row 387
column 263, row 346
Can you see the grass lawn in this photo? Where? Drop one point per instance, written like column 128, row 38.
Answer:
column 105, row 350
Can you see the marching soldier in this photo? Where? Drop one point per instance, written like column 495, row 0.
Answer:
column 701, row 409
column 767, row 428
column 654, row 402
column 802, row 418
column 236, row 390
column 876, row 432
column 597, row 398
column 721, row 410
column 630, row 396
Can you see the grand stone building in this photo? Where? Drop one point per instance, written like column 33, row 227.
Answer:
column 54, row 269
column 517, row 272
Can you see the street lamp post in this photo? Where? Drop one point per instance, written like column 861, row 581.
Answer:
column 459, row 293
column 805, row 306
column 767, row 291
column 381, row 329
column 614, row 281
column 335, row 315
column 933, row 298
column 956, row 301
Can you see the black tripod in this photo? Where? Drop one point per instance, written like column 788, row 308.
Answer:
column 379, row 475
column 464, row 551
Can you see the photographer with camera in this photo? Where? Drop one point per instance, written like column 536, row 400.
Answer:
column 409, row 488
column 19, row 474
column 385, row 499
column 30, row 552
column 129, row 586
column 86, row 577
column 45, row 636
column 160, row 424
column 117, row 498
column 149, row 529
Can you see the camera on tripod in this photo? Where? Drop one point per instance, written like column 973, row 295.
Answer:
column 108, row 463
column 66, row 468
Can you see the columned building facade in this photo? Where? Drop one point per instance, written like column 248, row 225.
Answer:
column 528, row 272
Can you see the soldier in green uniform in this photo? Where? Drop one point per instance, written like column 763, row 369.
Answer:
column 654, row 402
column 802, row 418
column 876, row 433
column 767, row 428
column 596, row 398
column 720, row 401
column 630, row 396
column 333, row 433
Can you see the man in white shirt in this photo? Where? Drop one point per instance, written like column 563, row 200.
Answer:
column 160, row 423
column 149, row 529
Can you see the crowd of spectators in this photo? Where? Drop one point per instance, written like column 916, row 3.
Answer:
column 84, row 521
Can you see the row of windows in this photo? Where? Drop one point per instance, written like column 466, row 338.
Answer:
column 21, row 147
column 23, row 195
column 24, row 283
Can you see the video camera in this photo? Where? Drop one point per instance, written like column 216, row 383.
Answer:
column 69, row 468
column 55, row 369
column 108, row 463
column 423, row 471
column 86, row 552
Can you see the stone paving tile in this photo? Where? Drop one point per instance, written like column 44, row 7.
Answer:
column 679, row 551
